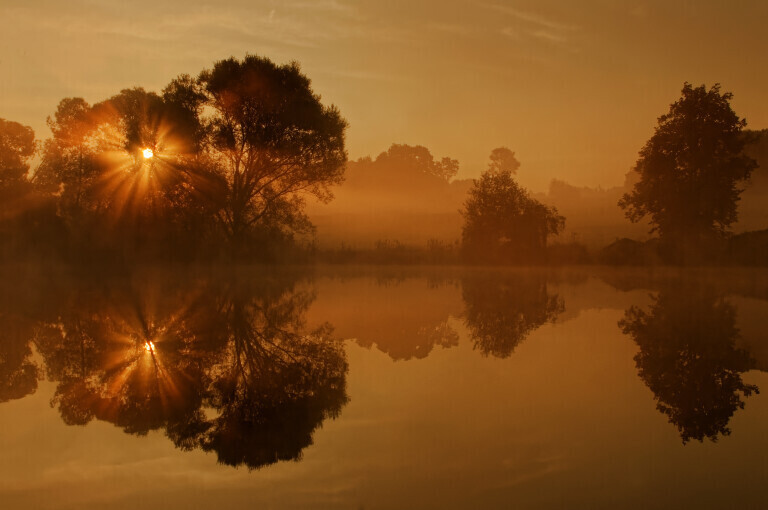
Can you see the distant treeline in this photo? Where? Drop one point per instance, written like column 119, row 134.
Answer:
column 696, row 182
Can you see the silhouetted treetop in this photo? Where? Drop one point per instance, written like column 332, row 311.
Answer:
column 691, row 169
column 273, row 140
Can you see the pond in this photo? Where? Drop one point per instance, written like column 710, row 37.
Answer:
column 333, row 387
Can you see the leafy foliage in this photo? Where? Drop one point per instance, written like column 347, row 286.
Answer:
column 217, row 165
column 691, row 169
column 272, row 140
column 503, row 224
column 17, row 146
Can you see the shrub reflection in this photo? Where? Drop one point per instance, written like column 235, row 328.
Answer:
column 501, row 312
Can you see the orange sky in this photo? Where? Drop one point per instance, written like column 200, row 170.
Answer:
column 573, row 87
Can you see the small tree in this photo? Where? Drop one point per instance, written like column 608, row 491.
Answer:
column 502, row 223
column 691, row 169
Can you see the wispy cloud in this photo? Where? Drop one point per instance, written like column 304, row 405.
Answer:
column 534, row 26
column 532, row 18
column 289, row 23
column 549, row 36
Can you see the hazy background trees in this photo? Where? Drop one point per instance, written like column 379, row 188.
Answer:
column 405, row 195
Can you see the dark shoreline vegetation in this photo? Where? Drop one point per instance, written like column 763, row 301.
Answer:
column 235, row 166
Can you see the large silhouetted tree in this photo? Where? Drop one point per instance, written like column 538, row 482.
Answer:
column 274, row 142
column 502, row 222
column 691, row 169
column 221, row 162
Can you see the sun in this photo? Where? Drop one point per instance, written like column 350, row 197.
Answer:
column 147, row 153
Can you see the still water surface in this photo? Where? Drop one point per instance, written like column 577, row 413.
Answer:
column 385, row 388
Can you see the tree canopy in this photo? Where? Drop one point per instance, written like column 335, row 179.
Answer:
column 692, row 168
column 17, row 146
column 502, row 222
column 272, row 140
column 220, row 163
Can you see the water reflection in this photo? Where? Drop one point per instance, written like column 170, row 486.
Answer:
column 20, row 309
column 406, row 317
column 690, row 360
column 501, row 312
column 18, row 373
column 232, row 368
column 409, row 316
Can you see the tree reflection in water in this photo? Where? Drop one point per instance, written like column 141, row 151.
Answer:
column 18, row 372
column 689, row 359
column 24, row 301
column 233, row 368
column 501, row 311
